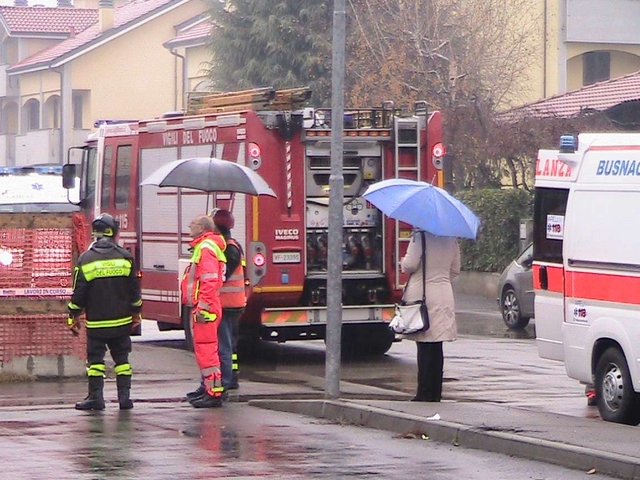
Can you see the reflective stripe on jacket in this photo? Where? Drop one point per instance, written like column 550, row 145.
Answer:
column 233, row 293
column 204, row 275
column 107, row 288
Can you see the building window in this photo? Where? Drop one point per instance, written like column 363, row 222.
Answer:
column 596, row 66
column 78, row 106
column 31, row 111
column 51, row 116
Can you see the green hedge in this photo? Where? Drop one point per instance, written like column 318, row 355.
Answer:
column 498, row 242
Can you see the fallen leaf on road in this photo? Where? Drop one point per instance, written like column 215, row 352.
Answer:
column 434, row 417
column 591, row 472
column 425, row 437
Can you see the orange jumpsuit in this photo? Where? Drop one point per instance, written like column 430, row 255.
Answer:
column 199, row 289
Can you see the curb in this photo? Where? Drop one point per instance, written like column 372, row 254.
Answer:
column 519, row 445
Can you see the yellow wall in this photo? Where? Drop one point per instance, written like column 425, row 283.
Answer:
column 133, row 76
column 623, row 61
column 546, row 70
column 130, row 77
column 197, row 65
column 32, row 85
column 32, row 46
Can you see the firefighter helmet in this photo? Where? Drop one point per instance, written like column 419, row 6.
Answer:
column 223, row 219
column 105, row 226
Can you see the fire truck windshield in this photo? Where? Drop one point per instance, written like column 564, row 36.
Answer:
column 34, row 189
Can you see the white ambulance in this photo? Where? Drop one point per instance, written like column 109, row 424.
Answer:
column 587, row 265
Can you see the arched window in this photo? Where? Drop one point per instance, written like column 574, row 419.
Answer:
column 51, row 115
column 31, row 115
column 9, row 118
column 596, row 66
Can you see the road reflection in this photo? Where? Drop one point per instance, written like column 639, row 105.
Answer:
column 105, row 449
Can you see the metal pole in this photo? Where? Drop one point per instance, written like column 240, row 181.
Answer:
column 336, row 194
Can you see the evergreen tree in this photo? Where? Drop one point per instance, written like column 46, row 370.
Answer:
column 275, row 43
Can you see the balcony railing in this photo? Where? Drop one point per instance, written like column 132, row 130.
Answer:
column 38, row 146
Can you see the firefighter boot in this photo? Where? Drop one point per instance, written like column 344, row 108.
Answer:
column 95, row 400
column 234, row 381
column 123, row 383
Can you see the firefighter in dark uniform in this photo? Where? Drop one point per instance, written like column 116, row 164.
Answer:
column 106, row 287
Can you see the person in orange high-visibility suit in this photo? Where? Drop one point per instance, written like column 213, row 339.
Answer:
column 233, row 298
column 199, row 289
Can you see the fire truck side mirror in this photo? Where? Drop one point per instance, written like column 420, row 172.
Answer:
column 68, row 176
column 257, row 262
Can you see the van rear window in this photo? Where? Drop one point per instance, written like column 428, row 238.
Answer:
column 548, row 223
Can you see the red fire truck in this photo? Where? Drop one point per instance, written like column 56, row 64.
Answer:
column 284, row 238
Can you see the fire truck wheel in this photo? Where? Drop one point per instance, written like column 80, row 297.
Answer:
column 617, row 401
column 367, row 340
column 188, row 328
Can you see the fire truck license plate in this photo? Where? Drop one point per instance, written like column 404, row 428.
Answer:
column 286, row 257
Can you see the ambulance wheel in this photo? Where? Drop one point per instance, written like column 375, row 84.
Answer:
column 188, row 329
column 617, row 401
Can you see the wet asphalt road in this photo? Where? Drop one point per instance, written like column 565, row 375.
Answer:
column 239, row 441
column 173, row 441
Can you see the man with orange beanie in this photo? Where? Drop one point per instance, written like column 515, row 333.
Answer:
column 233, row 298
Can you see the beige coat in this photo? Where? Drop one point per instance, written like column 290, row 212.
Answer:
column 443, row 264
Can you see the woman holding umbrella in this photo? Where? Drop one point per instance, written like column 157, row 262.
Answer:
column 439, row 218
column 442, row 265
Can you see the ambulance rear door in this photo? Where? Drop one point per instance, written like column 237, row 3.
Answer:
column 553, row 179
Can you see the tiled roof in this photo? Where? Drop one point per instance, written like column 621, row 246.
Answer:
column 193, row 35
column 43, row 20
column 124, row 16
column 599, row 96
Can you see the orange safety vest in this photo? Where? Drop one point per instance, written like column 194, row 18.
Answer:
column 233, row 294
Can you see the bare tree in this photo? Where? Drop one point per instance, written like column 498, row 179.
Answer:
column 464, row 58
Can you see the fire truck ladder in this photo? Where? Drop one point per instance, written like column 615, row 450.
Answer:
column 408, row 160
column 254, row 99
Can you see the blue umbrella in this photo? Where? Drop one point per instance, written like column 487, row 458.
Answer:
column 424, row 206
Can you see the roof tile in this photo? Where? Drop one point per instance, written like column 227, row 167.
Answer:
column 198, row 32
column 599, row 96
column 123, row 15
column 39, row 20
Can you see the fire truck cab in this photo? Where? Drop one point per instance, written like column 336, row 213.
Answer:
column 284, row 238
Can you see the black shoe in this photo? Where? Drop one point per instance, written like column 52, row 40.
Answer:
column 90, row 403
column 126, row 404
column 207, row 401
column 199, row 392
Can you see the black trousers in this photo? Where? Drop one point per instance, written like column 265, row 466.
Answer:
column 430, row 371
column 120, row 347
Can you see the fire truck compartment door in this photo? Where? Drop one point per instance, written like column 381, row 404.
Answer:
column 290, row 317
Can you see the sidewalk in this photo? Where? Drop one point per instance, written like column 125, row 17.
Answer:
column 570, row 441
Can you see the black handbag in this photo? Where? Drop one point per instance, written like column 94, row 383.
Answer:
column 413, row 317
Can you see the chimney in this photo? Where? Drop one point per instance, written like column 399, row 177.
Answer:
column 21, row 3
column 64, row 3
column 105, row 15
